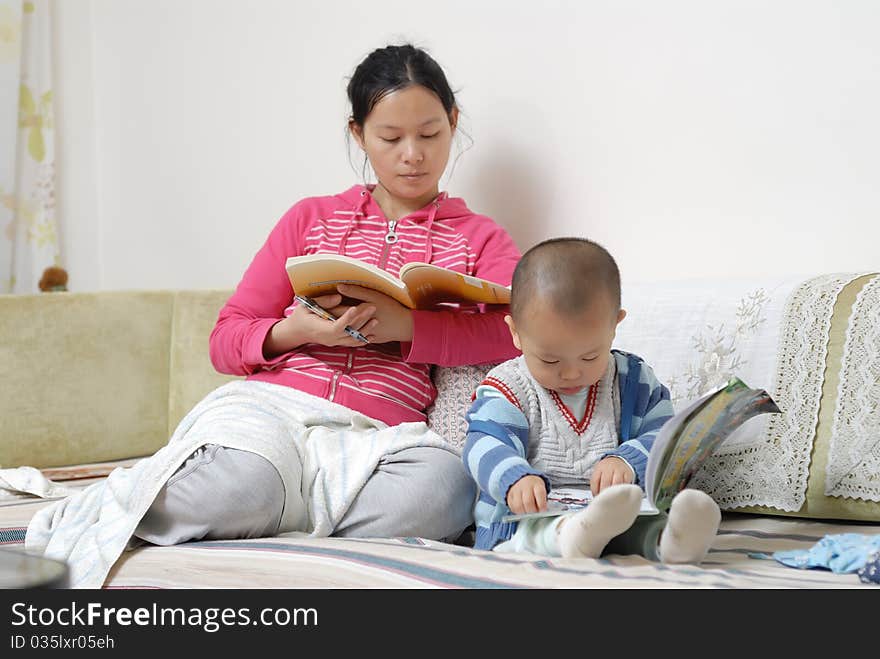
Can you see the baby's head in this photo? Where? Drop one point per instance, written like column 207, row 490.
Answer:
column 564, row 311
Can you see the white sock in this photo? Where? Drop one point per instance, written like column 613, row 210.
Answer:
column 533, row 536
column 585, row 533
column 691, row 527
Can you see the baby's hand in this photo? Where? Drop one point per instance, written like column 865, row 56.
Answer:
column 527, row 495
column 610, row 471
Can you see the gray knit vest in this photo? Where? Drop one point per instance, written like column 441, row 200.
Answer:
column 556, row 447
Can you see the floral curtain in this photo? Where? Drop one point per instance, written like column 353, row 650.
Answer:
column 28, row 231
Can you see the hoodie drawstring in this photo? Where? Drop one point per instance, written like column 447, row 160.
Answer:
column 435, row 206
column 358, row 209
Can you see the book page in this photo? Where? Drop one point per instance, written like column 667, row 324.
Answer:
column 429, row 285
column 319, row 274
column 697, row 432
column 659, row 456
column 562, row 500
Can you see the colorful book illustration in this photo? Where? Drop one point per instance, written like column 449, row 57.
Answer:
column 418, row 286
column 680, row 449
column 563, row 499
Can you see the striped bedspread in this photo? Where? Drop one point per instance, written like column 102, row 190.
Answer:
column 296, row 561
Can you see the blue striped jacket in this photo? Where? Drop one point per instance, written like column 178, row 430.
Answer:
column 497, row 442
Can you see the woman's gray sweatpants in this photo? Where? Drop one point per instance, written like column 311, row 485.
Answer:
column 223, row 493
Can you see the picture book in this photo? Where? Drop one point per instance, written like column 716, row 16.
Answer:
column 418, row 286
column 680, row 448
column 563, row 499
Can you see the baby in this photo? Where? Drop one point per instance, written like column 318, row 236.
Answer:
column 571, row 410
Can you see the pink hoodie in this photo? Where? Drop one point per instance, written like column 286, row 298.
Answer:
column 389, row 382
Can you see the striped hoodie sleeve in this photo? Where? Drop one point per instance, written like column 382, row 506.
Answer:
column 495, row 456
column 650, row 405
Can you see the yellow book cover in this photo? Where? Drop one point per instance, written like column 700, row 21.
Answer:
column 419, row 286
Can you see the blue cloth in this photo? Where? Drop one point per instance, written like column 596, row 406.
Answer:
column 841, row 553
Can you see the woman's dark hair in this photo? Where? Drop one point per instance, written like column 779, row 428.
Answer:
column 389, row 69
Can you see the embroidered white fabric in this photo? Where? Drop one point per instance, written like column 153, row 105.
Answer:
column 455, row 386
column 854, row 453
column 697, row 334
column 772, row 469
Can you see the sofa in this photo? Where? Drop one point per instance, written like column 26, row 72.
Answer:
column 95, row 381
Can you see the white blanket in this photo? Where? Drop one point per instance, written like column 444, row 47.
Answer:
column 28, row 481
column 323, row 451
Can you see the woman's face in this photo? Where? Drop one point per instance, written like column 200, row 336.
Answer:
column 407, row 136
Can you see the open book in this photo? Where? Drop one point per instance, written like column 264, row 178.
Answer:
column 563, row 499
column 680, row 448
column 419, row 285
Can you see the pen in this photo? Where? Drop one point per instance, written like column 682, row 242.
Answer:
column 313, row 306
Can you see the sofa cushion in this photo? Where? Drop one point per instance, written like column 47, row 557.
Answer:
column 826, row 497
column 191, row 374
column 85, row 376
column 785, row 335
column 455, row 386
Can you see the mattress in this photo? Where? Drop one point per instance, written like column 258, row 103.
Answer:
column 738, row 558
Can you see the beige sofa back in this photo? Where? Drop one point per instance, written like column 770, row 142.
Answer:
column 91, row 377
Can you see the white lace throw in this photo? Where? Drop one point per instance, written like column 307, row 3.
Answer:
column 853, row 468
column 773, row 334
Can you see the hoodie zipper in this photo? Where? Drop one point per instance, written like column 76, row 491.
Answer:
column 390, row 239
column 335, row 379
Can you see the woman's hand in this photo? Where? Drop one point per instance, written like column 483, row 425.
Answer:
column 303, row 326
column 393, row 321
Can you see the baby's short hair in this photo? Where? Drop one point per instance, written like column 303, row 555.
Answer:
column 566, row 273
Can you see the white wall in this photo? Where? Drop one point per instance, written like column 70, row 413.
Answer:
column 691, row 137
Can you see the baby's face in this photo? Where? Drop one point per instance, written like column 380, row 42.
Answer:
column 566, row 353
